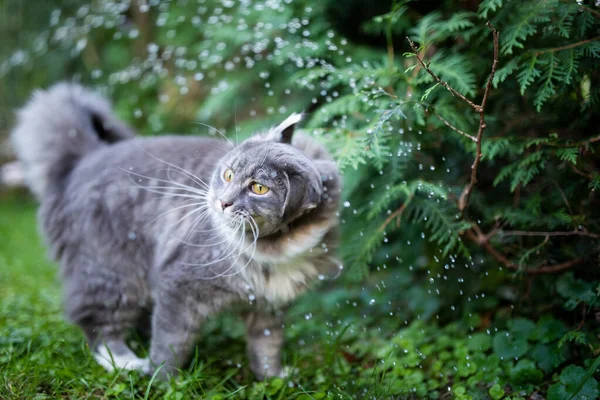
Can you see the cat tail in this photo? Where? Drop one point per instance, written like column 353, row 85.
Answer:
column 58, row 127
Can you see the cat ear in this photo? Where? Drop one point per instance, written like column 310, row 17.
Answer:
column 302, row 195
column 284, row 131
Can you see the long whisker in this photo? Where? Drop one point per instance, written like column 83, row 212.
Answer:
column 218, row 131
column 184, row 171
column 217, row 260
column 175, row 209
column 215, row 234
column 150, row 178
column 254, row 229
column 177, row 186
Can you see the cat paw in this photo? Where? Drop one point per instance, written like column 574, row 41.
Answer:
column 127, row 362
column 287, row 372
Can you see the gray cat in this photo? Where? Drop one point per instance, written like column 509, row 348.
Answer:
column 164, row 232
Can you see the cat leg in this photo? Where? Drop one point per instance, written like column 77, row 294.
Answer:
column 106, row 313
column 115, row 354
column 176, row 322
column 264, row 343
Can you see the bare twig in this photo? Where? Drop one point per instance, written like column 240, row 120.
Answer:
column 464, row 197
column 482, row 240
column 396, row 214
column 568, row 46
column 580, row 172
column 550, row 269
column 569, row 233
column 449, row 125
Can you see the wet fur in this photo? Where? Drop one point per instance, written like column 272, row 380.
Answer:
column 117, row 213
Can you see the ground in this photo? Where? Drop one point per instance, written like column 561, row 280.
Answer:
column 344, row 341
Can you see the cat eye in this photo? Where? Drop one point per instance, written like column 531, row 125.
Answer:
column 228, row 175
column 259, row 189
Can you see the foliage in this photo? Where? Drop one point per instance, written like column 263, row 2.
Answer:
column 499, row 294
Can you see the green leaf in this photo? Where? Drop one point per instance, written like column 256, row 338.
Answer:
column 574, row 384
column 479, row 342
column 508, row 346
column 575, row 290
column 547, row 357
column 548, row 330
column 496, row 392
column 521, row 327
column 525, row 371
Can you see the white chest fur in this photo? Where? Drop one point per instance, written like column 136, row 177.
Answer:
column 280, row 283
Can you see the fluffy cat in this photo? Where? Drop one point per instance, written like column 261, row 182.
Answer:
column 163, row 232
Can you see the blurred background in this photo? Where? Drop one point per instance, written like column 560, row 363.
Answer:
column 488, row 295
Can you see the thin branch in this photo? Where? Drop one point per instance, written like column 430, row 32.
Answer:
column 466, row 194
column 568, row 46
column 482, row 240
column 449, row 125
column 590, row 10
column 398, row 213
column 550, row 269
column 581, row 143
column 580, row 172
column 441, row 81
column 569, row 233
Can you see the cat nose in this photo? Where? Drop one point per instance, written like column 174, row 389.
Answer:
column 224, row 205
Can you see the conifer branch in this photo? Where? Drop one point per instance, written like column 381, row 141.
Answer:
column 571, row 233
column 568, row 46
column 464, row 197
column 482, row 240
column 396, row 214
column 449, row 125
column 550, row 269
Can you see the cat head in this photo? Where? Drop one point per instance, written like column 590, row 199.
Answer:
column 267, row 179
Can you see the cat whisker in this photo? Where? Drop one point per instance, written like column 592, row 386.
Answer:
column 218, row 131
column 222, row 258
column 175, row 209
column 189, row 174
column 196, row 222
column 169, row 182
column 254, row 228
column 185, row 173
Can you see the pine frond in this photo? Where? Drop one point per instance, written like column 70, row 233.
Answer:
column 523, row 171
column 547, row 88
column 424, row 31
column 487, row 6
column 504, row 72
column 568, row 154
column 498, row 147
column 526, row 18
column 528, row 73
column 341, row 106
column 568, row 64
column 442, row 223
column 595, row 182
column 457, row 22
column 455, row 69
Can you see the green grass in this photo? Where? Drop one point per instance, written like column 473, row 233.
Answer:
column 345, row 340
